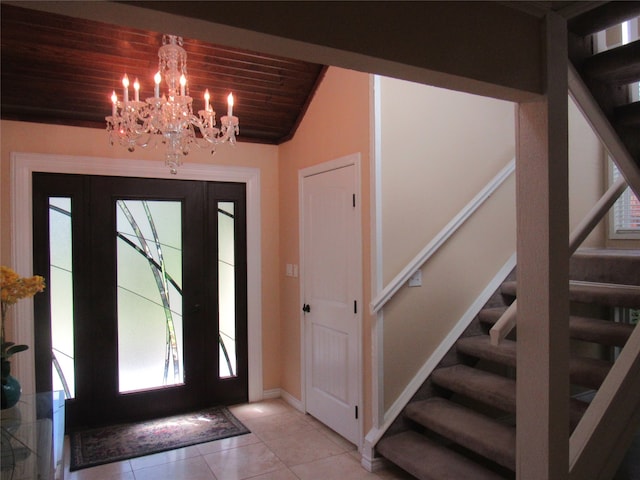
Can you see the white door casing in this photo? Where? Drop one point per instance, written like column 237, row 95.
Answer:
column 22, row 167
column 331, row 286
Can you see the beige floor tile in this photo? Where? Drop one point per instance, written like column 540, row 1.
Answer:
column 285, row 444
column 227, row 443
column 279, row 425
column 260, row 409
column 336, row 438
column 194, row 468
column 285, row 474
column 392, row 472
column 164, row 457
column 243, row 462
column 303, row 447
column 110, row 471
column 343, row 467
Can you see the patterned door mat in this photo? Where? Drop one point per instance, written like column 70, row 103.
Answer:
column 98, row 446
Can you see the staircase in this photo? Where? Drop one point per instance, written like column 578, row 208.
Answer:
column 465, row 427
column 608, row 74
column 461, row 424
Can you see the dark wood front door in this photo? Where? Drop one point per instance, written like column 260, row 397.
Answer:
column 145, row 311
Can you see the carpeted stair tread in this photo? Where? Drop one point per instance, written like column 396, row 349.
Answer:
column 479, row 346
column 612, row 294
column 427, row 460
column 488, row 388
column 479, row 433
column 609, row 294
column 605, row 332
column 491, row 389
column 490, row 316
column 586, row 372
column 608, row 265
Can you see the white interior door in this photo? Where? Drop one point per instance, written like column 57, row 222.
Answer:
column 331, row 294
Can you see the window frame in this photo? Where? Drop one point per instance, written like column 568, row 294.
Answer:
column 614, row 232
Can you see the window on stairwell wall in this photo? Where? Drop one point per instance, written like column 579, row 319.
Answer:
column 624, row 220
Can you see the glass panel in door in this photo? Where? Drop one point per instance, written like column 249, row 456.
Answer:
column 149, row 294
column 226, row 290
column 60, row 285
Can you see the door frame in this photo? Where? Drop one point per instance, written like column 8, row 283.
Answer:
column 348, row 160
column 22, row 167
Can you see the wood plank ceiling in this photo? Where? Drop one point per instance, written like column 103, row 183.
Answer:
column 62, row 70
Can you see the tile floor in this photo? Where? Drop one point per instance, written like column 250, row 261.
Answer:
column 284, row 444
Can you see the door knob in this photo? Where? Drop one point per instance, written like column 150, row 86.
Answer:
column 306, row 308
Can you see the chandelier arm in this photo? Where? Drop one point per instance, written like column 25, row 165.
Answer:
column 169, row 119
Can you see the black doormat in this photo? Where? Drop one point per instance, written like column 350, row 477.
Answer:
column 98, row 446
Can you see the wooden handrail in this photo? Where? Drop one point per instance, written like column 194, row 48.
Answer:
column 584, row 228
column 427, row 252
column 602, row 128
column 620, row 156
column 508, row 319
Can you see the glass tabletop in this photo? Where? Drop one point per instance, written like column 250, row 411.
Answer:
column 32, row 438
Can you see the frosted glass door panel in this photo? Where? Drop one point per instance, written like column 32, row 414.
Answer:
column 60, row 285
column 226, row 289
column 150, row 337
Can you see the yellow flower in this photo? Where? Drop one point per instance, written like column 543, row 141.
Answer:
column 15, row 287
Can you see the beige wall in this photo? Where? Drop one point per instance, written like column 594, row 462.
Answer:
column 37, row 138
column 336, row 124
column 439, row 148
column 587, row 174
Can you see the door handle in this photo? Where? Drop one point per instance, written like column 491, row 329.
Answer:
column 306, row 308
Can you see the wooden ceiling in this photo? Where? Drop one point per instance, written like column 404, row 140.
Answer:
column 62, row 70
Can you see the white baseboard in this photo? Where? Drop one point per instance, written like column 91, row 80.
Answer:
column 373, row 464
column 291, row 400
column 284, row 395
column 271, row 394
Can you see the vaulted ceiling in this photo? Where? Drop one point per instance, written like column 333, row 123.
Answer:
column 62, row 70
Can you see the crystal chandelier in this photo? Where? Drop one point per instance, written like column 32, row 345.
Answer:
column 168, row 118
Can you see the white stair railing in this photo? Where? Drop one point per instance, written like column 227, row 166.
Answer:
column 432, row 247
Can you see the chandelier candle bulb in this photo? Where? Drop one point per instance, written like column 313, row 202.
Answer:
column 230, row 102
column 206, row 100
column 125, row 84
column 114, row 103
column 183, row 82
column 157, row 78
column 136, row 87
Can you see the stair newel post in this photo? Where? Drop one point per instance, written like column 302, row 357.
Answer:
column 542, row 445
